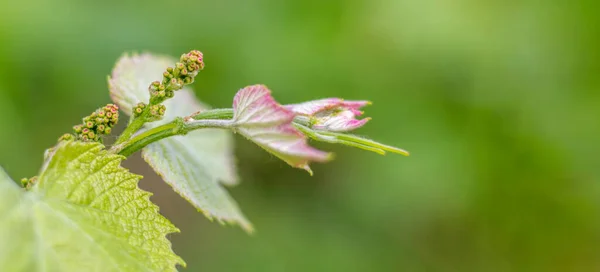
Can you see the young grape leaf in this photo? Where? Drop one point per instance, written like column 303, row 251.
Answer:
column 84, row 213
column 263, row 121
column 193, row 164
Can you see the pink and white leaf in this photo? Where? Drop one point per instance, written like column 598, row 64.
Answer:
column 338, row 121
column 313, row 107
column 262, row 120
column 332, row 114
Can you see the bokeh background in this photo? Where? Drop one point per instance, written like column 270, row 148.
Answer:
column 498, row 102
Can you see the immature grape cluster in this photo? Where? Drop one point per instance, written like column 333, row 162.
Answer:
column 99, row 122
column 174, row 78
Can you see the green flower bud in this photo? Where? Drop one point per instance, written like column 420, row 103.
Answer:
column 66, row 137
column 176, row 84
column 100, row 128
column 24, row 182
column 107, row 130
column 77, row 128
column 184, row 58
column 89, row 124
column 138, row 109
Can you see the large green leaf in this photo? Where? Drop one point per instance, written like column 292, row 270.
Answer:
column 196, row 164
column 84, row 213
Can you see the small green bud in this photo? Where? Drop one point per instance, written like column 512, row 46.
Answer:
column 107, row 130
column 138, row 109
column 184, row 58
column 170, row 70
column 77, row 128
column 174, row 84
column 24, row 182
column 66, row 137
column 100, row 128
column 92, row 135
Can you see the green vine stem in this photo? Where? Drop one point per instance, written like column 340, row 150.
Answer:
column 135, row 125
column 213, row 114
column 217, row 118
column 221, row 118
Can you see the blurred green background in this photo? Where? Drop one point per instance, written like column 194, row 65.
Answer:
column 498, row 102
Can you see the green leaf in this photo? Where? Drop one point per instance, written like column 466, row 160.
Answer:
column 185, row 171
column 196, row 164
column 84, row 213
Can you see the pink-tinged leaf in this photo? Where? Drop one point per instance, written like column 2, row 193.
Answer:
column 332, row 114
column 338, row 121
column 313, row 107
column 262, row 120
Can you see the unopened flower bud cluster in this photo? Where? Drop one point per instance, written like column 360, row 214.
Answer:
column 96, row 124
column 174, row 78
